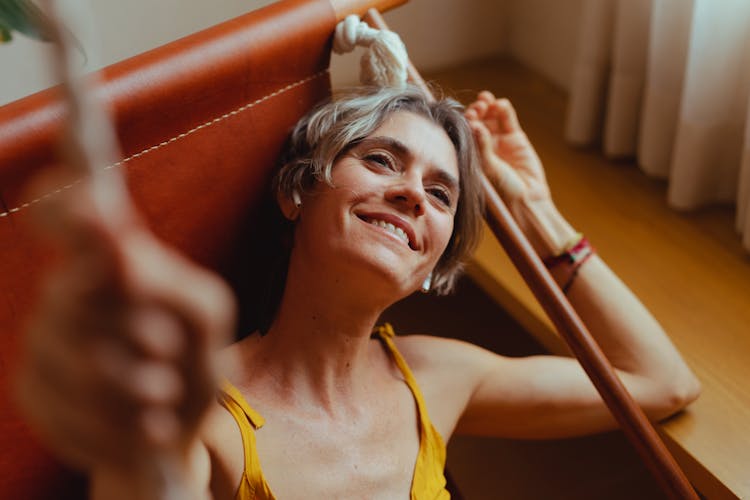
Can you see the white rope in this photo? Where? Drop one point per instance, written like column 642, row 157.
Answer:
column 384, row 62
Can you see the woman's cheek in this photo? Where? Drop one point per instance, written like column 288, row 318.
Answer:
column 445, row 231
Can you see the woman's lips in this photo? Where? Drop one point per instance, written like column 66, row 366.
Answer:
column 394, row 225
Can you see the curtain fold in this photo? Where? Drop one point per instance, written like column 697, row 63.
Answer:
column 591, row 71
column 669, row 40
column 629, row 49
column 666, row 82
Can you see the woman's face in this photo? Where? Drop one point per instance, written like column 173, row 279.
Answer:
column 390, row 215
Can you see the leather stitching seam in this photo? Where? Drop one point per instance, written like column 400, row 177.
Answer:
column 176, row 138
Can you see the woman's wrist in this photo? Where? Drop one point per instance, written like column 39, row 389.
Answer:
column 562, row 249
column 547, row 230
column 564, row 268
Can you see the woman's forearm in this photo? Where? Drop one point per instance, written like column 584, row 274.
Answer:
column 627, row 332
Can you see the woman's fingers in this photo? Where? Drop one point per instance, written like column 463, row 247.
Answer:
column 71, row 430
column 485, row 144
column 486, row 96
column 201, row 303
column 76, row 420
column 102, row 372
column 500, row 173
column 184, row 314
column 105, row 381
column 156, row 333
column 134, row 379
column 508, row 157
column 503, row 115
column 119, row 361
column 497, row 114
column 160, row 425
column 479, row 108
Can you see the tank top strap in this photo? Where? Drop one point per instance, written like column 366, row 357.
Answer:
column 429, row 479
column 386, row 334
column 230, row 391
column 253, row 485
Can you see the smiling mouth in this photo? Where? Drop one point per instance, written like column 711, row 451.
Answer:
column 397, row 231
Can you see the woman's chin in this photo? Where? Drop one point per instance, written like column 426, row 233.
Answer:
column 379, row 283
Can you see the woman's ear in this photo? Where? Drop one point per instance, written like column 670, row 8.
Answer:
column 290, row 205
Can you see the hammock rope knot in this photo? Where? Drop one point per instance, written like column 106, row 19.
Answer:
column 384, row 62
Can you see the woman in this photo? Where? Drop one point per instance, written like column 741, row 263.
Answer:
column 382, row 190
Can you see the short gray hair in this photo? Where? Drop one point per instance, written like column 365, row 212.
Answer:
column 332, row 128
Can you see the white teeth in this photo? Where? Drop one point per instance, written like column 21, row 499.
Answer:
column 391, row 228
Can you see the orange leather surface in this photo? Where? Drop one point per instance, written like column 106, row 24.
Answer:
column 198, row 191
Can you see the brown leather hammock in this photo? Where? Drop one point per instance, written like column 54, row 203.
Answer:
column 201, row 122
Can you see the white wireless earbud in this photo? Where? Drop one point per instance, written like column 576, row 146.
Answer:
column 296, row 199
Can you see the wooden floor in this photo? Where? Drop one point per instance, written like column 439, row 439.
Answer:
column 689, row 269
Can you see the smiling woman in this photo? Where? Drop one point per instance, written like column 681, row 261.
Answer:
column 367, row 231
column 343, row 127
column 378, row 190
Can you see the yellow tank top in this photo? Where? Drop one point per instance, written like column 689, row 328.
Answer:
column 428, row 481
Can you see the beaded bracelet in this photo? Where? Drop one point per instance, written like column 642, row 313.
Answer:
column 572, row 259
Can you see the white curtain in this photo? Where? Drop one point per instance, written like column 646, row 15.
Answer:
column 666, row 81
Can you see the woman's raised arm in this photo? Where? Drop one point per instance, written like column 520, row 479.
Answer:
column 650, row 366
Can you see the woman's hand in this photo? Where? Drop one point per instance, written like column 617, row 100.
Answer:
column 508, row 158
column 118, row 361
column 513, row 167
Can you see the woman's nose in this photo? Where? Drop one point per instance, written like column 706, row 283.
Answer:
column 409, row 194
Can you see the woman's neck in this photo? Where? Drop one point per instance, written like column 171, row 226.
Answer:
column 318, row 350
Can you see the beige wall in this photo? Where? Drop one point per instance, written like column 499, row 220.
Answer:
column 123, row 29
column 543, row 35
column 438, row 33
column 441, row 33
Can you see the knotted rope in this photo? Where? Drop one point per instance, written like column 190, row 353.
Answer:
column 384, row 63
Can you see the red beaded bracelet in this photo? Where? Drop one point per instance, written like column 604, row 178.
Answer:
column 572, row 259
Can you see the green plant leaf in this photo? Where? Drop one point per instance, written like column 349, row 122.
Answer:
column 24, row 17
column 5, row 35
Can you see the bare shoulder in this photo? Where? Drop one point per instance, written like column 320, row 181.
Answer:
column 221, row 435
column 426, row 354
column 223, row 441
column 447, row 372
column 220, row 432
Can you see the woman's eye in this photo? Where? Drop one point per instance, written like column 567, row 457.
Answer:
column 380, row 160
column 442, row 195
